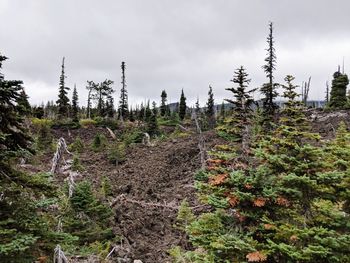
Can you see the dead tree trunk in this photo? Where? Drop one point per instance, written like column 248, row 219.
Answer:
column 201, row 143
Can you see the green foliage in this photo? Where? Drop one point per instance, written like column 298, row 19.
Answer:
column 76, row 165
column 169, row 121
column 123, row 109
column 210, row 109
column 75, row 107
column 39, row 123
column 106, row 189
column 163, row 105
column 182, row 106
column 269, row 89
column 77, row 145
column 242, row 103
column 87, row 217
column 152, row 125
column 133, row 136
column 63, row 100
column 116, row 153
column 185, row 216
column 85, row 123
column 289, row 202
column 338, row 99
column 99, row 142
column 23, row 105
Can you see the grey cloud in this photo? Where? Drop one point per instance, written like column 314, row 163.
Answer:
column 169, row 44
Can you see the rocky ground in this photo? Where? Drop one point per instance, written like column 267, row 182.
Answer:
column 147, row 188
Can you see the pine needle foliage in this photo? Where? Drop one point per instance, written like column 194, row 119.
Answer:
column 63, row 100
column 288, row 203
column 182, row 106
column 338, row 99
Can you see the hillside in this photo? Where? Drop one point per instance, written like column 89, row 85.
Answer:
column 161, row 174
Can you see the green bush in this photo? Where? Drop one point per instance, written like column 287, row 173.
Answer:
column 77, row 145
column 85, row 123
column 134, row 136
column 44, row 137
column 39, row 123
column 106, row 189
column 106, row 122
column 99, row 142
column 88, row 218
column 164, row 121
column 76, row 165
column 116, row 153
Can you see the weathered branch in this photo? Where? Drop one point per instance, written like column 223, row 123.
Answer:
column 172, row 205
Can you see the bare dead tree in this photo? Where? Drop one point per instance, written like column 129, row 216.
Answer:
column 305, row 91
column 327, row 91
column 60, row 150
column 59, row 256
column 201, row 143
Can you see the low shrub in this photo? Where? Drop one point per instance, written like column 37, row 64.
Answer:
column 116, row 153
column 134, row 136
column 76, row 165
column 99, row 142
column 39, row 123
column 76, row 146
column 85, row 123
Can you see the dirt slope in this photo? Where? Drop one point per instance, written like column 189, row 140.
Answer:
column 163, row 173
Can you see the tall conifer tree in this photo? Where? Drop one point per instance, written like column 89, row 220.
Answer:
column 338, row 99
column 63, row 100
column 182, row 106
column 75, row 106
column 242, row 104
column 24, row 107
column 210, row 110
column 269, row 89
column 123, row 109
column 22, row 231
column 163, row 104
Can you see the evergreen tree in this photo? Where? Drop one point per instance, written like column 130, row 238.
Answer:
column 75, row 107
column 102, row 92
column 123, row 103
column 63, row 100
column 182, row 106
column 152, row 125
column 110, row 106
column 148, row 112
column 163, row 104
column 168, row 111
column 87, row 217
column 210, row 110
column 269, row 90
column 23, row 105
column 338, row 98
column 141, row 115
column 197, row 107
column 222, row 111
column 132, row 115
column 154, row 108
column 22, row 231
column 242, row 104
column 287, row 204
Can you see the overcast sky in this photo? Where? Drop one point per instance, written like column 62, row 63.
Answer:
column 170, row 45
